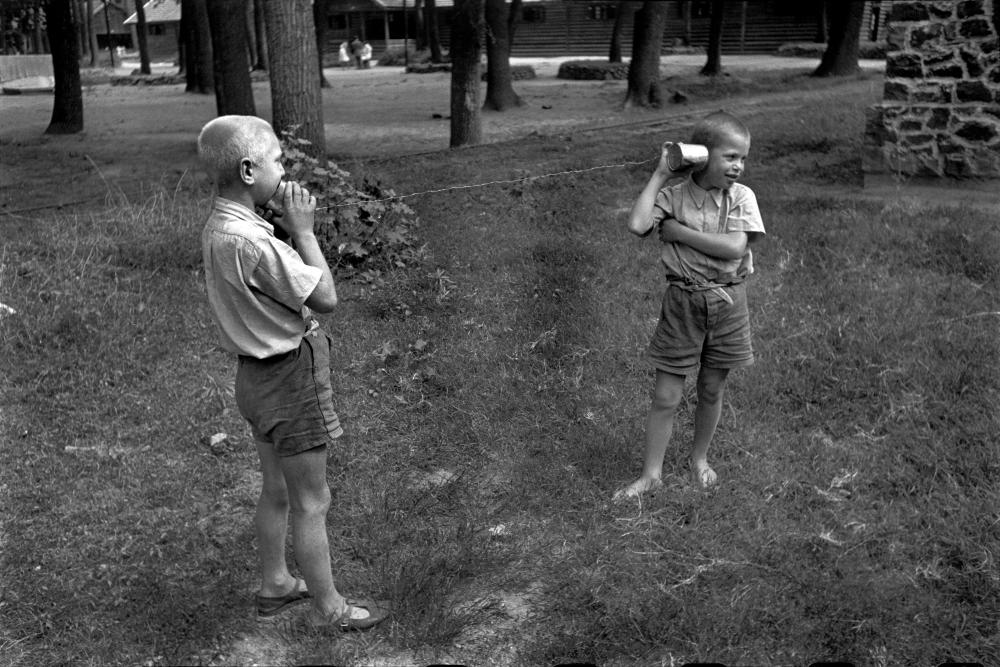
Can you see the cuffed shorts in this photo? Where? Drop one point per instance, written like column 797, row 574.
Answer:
column 288, row 398
column 701, row 327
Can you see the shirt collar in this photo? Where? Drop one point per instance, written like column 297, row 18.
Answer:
column 698, row 194
column 240, row 211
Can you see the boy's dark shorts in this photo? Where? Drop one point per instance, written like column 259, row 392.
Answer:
column 701, row 327
column 288, row 398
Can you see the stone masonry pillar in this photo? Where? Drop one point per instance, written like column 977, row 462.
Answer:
column 939, row 119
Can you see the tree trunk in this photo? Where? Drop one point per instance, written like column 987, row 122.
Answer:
column 623, row 13
column 513, row 18
column 260, row 35
column 841, row 55
column 500, row 93
column 107, row 28
column 821, row 27
column 251, row 35
column 418, row 12
column 91, row 33
column 686, row 19
column 181, row 50
column 76, row 7
column 142, row 37
column 319, row 21
column 433, row 35
column 295, row 91
column 36, row 32
column 187, row 36
column 64, row 42
column 644, row 69
column 230, row 64
column 713, row 66
column 199, row 76
column 466, row 47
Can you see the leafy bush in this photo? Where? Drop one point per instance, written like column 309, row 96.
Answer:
column 396, row 56
column 592, row 69
column 428, row 68
column 362, row 230
column 517, row 72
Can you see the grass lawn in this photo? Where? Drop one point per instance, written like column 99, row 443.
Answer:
column 494, row 396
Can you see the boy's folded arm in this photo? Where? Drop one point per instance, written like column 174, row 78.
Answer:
column 728, row 245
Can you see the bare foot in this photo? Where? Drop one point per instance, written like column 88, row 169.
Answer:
column 703, row 475
column 638, row 487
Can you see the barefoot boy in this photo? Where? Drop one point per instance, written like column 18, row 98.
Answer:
column 706, row 223
column 261, row 291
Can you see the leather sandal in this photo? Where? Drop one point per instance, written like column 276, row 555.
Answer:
column 269, row 606
column 346, row 623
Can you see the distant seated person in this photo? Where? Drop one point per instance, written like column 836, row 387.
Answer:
column 366, row 55
column 343, row 58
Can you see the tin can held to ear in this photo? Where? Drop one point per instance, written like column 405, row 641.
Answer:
column 680, row 156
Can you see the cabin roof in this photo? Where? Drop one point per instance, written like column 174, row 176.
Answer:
column 159, row 11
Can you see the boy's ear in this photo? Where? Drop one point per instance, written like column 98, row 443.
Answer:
column 246, row 171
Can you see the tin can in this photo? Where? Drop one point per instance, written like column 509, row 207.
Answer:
column 680, row 156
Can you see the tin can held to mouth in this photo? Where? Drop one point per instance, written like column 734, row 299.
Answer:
column 680, row 156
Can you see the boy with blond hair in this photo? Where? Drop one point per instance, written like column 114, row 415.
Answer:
column 261, row 292
column 706, row 223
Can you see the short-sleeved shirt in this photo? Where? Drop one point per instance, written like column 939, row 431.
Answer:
column 257, row 285
column 699, row 209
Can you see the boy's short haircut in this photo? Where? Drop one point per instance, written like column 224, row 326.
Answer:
column 715, row 127
column 226, row 140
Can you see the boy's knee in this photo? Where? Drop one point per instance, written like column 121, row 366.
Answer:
column 666, row 401
column 711, row 391
column 274, row 486
column 313, row 502
column 275, row 495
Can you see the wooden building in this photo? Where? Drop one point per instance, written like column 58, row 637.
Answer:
column 108, row 22
column 550, row 28
column 163, row 20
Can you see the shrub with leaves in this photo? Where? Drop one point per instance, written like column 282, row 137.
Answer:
column 362, row 229
column 592, row 69
column 396, row 56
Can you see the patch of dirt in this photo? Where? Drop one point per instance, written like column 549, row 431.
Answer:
column 138, row 137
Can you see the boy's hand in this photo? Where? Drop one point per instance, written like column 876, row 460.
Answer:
column 661, row 167
column 298, row 208
column 664, row 170
column 670, row 230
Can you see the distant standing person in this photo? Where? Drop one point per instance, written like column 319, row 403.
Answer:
column 706, row 223
column 342, row 57
column 356, row 49
column 366, row 55
column 262, row 292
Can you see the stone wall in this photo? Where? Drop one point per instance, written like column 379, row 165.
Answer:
column 940, row 114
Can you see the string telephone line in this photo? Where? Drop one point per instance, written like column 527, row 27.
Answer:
column 359, row 202
column 470, row 186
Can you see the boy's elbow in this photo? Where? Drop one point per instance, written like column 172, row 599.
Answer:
column 738, row 252
column 738, row 247
column 323, row 305
column 322, row 301
column 639, row 227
